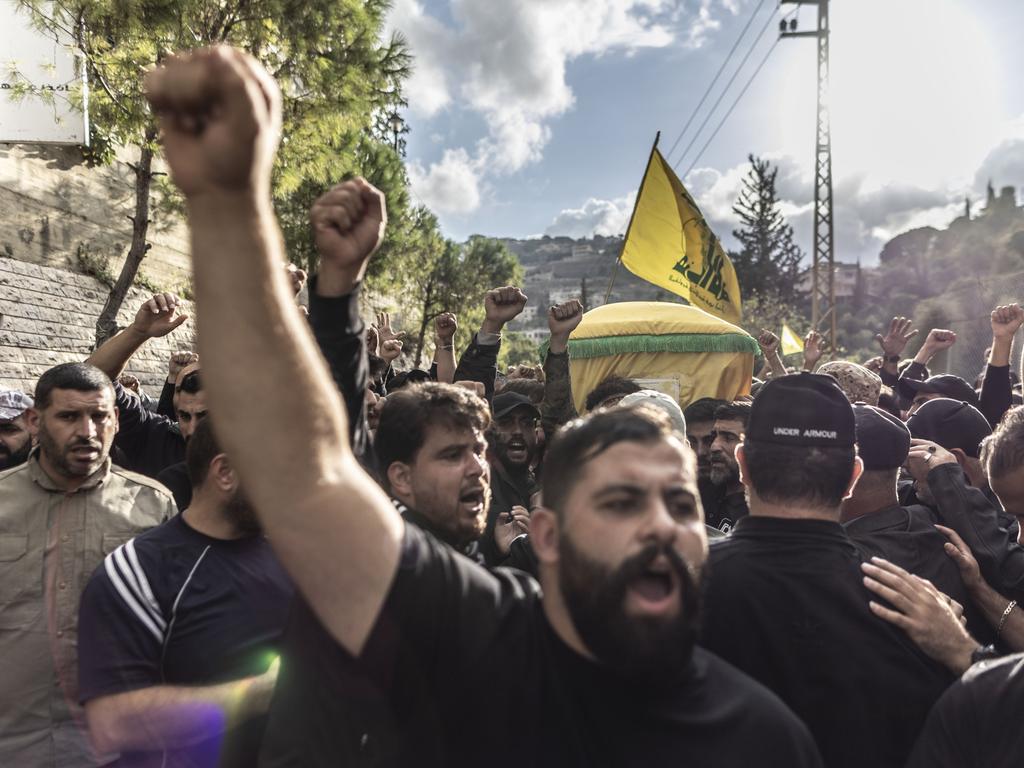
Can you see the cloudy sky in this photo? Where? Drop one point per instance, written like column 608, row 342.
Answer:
column 532, row 117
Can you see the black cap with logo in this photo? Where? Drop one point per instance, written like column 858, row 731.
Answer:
column 802, row 409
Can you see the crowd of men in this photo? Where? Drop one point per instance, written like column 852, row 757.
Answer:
column 348, row 564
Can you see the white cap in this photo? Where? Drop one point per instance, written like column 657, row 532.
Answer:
column 662, row 401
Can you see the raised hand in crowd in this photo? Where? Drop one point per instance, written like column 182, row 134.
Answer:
column 178, row 362
column 157, row 317
column 901, row 331
column 563, row 319
column 931, row 619
column 875, row 364
column 812, row 350
column 384, row 329
column 220, row 117
column 514, row 523
column 348, row 223
column 1003, row 614
column 1006, row 321
column 391, row 350
column 130, row 382
column 937, row 340
column 769, row 344
column 297, row 276
column 445, row 327
column 501, row 306
column 372, row 340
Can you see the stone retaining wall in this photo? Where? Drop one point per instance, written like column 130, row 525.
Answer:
column 48, row 316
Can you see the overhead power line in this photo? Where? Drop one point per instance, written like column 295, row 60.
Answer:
column 731, row 108
column 718, row 74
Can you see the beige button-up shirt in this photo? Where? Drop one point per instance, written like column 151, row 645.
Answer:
column 50, row 543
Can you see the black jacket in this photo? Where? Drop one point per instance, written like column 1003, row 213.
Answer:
column 150, row 442
column 787, row 605
column 985, row 528
column 907, row 537
column 339, row 332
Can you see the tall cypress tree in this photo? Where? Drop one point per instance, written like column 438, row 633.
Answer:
column 768, row 262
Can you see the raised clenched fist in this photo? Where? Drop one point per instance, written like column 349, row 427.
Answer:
column 445, row 326
column 769, row 342
column 220, row 121
column 180, row 360
column 939, row 339
column 390, row 350
column 1006, row 320
column 348, row 226
column 563, row 318
column 502, row 305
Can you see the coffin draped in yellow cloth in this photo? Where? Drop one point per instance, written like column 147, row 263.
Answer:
column 680, row 350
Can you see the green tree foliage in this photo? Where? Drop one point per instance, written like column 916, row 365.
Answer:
column 450, row 277
column 768, row 262
column 335, row 73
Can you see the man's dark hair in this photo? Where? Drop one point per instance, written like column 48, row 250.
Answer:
column 1003, row 451
column 610, row 387
column 584, row 439
column 797, row 475
column 738, row 410
column 410, row 412
column 703, row 410
column 191, row 384
column 530, row 388
column 80, row 377
column 200, row 450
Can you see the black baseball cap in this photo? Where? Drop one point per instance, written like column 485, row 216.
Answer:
column 946, row 385
column 506, row 402
column 802, row 409
column 951, row 424
column 412, row 376
column 883, row 441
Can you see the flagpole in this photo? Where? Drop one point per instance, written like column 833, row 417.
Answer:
column 615, row 267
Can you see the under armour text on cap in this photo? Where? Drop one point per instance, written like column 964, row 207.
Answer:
column 802, row 409
column 883, row 441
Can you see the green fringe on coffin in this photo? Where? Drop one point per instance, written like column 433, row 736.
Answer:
column 603, row 346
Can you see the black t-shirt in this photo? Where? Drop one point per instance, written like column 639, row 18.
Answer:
column 176, row 607
column 462, row 669
column 787, row 605
column 977, row 722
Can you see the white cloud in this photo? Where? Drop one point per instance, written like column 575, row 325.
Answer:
column 506, row 62
column 594, row 217
column 449, row 186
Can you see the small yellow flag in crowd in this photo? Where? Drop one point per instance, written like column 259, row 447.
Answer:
column 670, row 245
column 791, row 343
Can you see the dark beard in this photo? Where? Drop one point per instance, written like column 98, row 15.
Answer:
column 650, row 651
column 8, row 460
column 241, row 513
column 58, row 456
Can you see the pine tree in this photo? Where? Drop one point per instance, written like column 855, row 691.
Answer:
column 768, row 262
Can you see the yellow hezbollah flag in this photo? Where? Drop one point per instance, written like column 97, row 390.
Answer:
column 791, row 343
column 669, row 244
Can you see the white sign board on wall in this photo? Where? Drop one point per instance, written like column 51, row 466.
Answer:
column 52, row 74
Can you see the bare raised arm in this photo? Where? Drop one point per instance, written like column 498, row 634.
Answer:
column 333, row 528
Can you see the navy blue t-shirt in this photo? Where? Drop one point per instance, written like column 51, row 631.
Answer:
column 176, row 607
